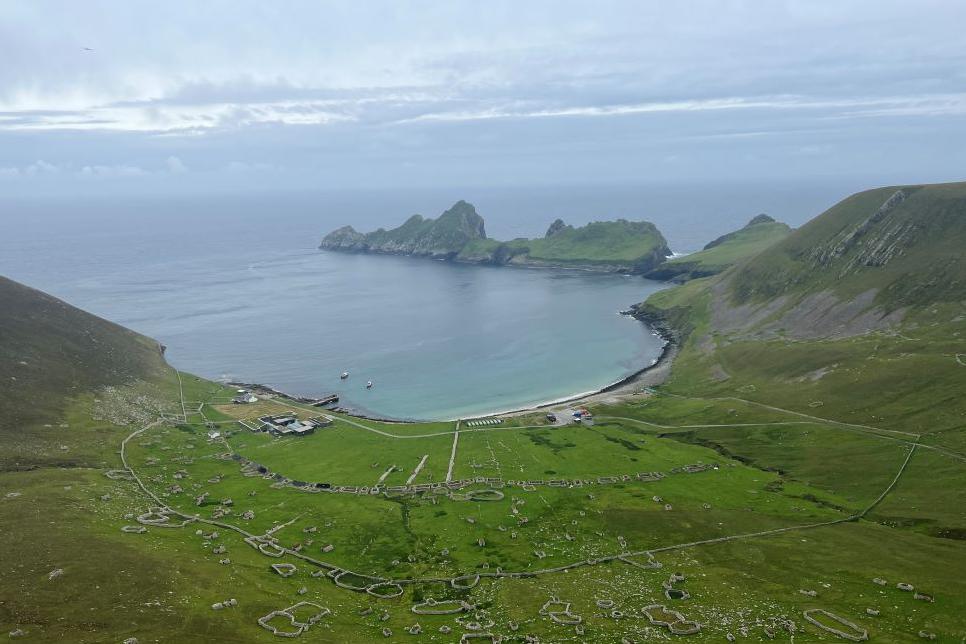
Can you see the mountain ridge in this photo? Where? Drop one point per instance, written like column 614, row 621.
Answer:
column 721, row 253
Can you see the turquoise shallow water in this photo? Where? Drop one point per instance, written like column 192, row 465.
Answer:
column 248, row 297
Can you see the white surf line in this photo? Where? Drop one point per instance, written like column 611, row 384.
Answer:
column 416, row 471
column 452, row 456
column 392, row 468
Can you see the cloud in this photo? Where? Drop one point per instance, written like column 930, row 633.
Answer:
column 534, row 90
column 175, row 165
column 35, row 169
column 243, row 167
column 111, row 171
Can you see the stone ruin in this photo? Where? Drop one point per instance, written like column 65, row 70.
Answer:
column 134, row 529
column 161, row 518
column 228, row 603
column 268, row 546
column 442, row 607
column 284, row 569
column 467, row 637
column 855, row 633
column 675, row 622
column 316, row 614
column 559, row 612
column 670, row 591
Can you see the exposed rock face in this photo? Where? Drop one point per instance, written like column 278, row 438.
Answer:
column 556, row 227
column 817, row 315
column 876, row 250
column 345, row 238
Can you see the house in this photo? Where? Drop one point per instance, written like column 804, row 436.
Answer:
column 291, row 426
column 244, row 398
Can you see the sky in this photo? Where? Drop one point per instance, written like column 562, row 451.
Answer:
column 182, row 96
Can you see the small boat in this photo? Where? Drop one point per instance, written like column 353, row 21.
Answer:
column 345, row 374
column 369, row 385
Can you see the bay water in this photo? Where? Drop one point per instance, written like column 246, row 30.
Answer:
column 235, row 287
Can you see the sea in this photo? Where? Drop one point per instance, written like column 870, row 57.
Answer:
column 236, row 289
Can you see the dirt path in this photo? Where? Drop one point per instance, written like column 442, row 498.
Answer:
column 184, row 410
column 452, row 456
column 419, row 468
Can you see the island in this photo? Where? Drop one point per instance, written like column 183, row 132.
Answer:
column 459, row 235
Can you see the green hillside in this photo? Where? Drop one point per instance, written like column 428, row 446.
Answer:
column 862, row 311
column 458, row 234
column 760, row 233
column 904, row 242
column 52, row 353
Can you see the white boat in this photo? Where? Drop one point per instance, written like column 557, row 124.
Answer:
column 345, row 374
column 369, row 385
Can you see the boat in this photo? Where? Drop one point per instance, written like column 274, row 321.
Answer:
column 369, row 385
column 345, row 374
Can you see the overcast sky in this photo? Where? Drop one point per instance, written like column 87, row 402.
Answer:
column 171, row 96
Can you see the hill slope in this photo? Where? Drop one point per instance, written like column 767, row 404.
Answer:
column 862, row 311
column 51, row 351
column 905, row 243
column 459, row 235
column 760, row 233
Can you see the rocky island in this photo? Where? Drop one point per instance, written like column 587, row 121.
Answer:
column 459, row 235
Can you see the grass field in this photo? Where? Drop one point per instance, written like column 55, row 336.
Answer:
column 775, row 471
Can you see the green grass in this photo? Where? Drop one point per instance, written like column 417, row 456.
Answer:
column 735, row 400
column 346, row 455
column 723, row 253
column 911, row 254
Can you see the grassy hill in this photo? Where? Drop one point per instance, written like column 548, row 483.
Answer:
column 904, row 242
column 459, row 235
column 71, row 384
column 861, row 311
column 858, row 318
column 760, row 233
column 52, row 353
